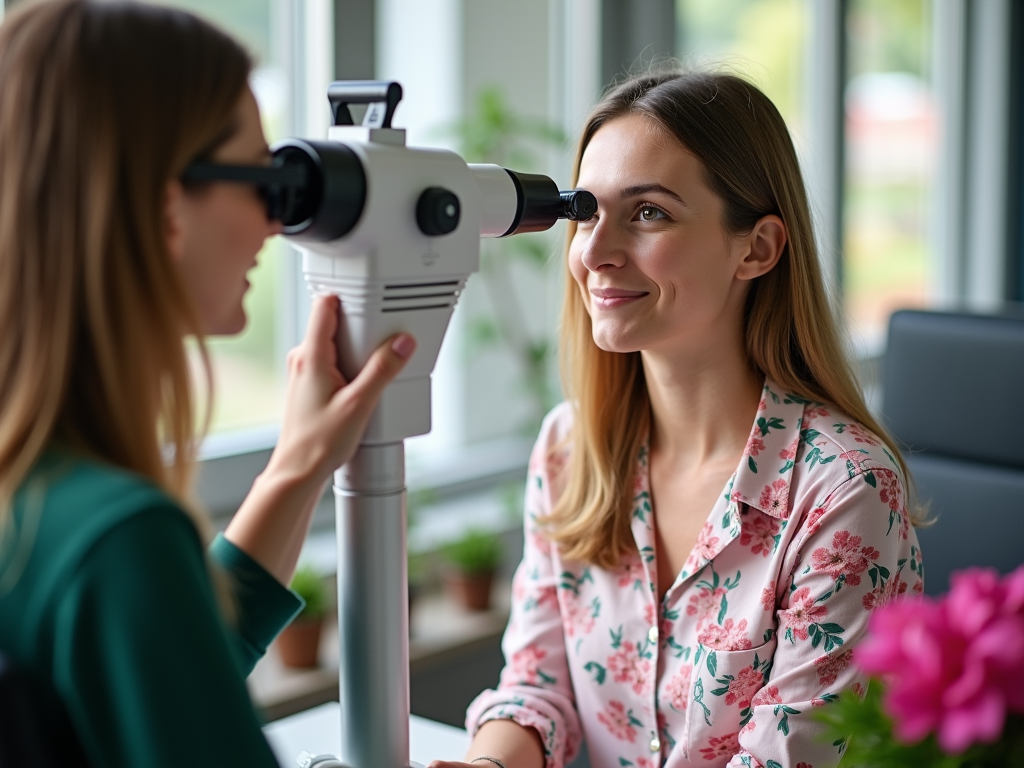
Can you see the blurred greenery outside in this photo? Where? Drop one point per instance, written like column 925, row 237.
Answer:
column 248, row 369
column 885, row 255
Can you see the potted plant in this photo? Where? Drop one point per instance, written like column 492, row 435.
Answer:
column 473, row 560
column 299, row 642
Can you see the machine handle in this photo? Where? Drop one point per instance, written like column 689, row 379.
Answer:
column 381, row 96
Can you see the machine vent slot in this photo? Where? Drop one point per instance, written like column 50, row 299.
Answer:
column 417, row 296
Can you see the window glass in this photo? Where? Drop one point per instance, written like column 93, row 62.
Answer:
column 762, row 40
column 248, row 369
column 891, row 155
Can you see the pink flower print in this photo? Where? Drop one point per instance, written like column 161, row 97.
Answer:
column 802, row 612
column 846, row 559
column 760, row 533
column 541, row 543
column 861, row 435
column 754, row 444
column 628, row 666
column 644, row 762
column 889, row 491
column 814, row 519
column 678, row 689
column 631, row 570
column 855, row 457
column 721, row 746
column 578, row 616
column 706, row 543
column 774, row 498
column 815, row 412
column 751, row 725
column 830, row 665
column 858, row 689
column 705, row 605
column 524, row 666
column 788, row 454
column 766, row 696
column 884, row 593
column 743, row 687
column 768, row 597
column 728, row 637
column 618, row 721
column 804, row 765
column 649, row 611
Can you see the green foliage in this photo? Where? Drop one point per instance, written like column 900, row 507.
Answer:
column 493, row 132
column 477, row 551
column 870, row 743
column 308, row 584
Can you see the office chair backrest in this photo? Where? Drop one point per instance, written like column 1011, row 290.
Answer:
column 34, row 732
column 953, row 395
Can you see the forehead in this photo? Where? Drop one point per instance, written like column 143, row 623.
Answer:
column 632, row 146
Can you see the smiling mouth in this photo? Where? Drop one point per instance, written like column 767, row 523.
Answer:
column 610, row 298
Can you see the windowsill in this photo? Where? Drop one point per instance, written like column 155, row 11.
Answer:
column 439, row 629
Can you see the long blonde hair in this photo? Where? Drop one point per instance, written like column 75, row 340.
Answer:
column 791, row 333
column 102, row 104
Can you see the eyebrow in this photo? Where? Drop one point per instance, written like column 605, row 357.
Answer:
column 643, row 189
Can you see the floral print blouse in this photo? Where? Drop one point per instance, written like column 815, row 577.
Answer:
column 809, row 536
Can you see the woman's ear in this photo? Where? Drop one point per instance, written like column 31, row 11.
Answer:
column 766, row 242
column 174, row 219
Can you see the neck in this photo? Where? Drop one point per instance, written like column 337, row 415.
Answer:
column 703, row 402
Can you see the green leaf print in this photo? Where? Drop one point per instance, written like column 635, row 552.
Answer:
column 827, row 633
column 752, row 464
column 633, row 720
column 784, row 721
column 624, row 762
column 869, row 478
column 712, row 663
column 597, row 670
column 809, row 435
column 787, row 466
column 680, row 651
column 547, row 678
column 647, row 553
column 767, row 425
column 773, row 764
column 616, row 637
column 698, row 698
column 800, row 399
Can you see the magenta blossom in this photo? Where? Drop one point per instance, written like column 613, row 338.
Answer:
column 954, row 666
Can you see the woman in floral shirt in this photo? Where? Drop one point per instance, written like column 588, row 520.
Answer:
column 713, row 515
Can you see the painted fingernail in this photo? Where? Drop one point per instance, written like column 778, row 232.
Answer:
column 403, row 345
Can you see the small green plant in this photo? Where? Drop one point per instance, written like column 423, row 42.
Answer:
column 478, row 551
column 308, row 584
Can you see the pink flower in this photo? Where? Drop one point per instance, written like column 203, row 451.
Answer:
column 831, row 665
column 765, row 696
column 631, row 571
column 703, row 550
column 768, row 597
column 760, row 532
column 790, row 453
column 524, row 666
column 577, row 616
column 726, row 637
column 802, row 612
column 846, row 558
column 775, row 497
column 627, row 666
column 743, row 687
column 678, row 689
column 755, row 444
column 954, row 666
column 705, row 605
column 722, row 746
column 618, row 721
column 861, row 435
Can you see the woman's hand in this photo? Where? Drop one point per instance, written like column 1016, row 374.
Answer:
column 324, row 419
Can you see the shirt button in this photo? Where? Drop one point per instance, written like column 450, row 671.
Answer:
column 655, row 744
column 652, row 634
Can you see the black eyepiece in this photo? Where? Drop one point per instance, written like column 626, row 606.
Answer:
column 578, row 204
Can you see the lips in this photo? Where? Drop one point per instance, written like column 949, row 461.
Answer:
column 610, row 298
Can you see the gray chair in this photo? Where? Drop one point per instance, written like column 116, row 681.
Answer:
column 953, row 397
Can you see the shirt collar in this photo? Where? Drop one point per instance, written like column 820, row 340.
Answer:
column 765, row 472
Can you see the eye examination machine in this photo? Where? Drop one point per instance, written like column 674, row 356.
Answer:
column 394, row 232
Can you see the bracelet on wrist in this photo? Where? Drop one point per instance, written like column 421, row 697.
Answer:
column 489, row 759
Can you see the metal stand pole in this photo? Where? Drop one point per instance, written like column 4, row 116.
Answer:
column 373, row 608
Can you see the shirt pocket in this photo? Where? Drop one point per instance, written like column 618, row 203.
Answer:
column 723, row 686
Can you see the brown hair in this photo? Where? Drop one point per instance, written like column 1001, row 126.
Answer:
column 102, row 104
column 791, row 334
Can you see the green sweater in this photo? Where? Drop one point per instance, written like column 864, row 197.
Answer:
column 106, row 599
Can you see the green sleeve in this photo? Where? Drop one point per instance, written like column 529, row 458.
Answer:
column 142, row 659
column 265, row 606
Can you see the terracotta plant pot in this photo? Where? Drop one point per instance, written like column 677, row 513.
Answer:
column 471, row 590
column 299, row 643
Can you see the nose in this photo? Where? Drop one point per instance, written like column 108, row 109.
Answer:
column 604, row 247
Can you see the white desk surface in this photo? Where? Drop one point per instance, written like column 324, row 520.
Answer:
column 318, row 731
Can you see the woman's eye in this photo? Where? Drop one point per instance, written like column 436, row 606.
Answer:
column 650, row 213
